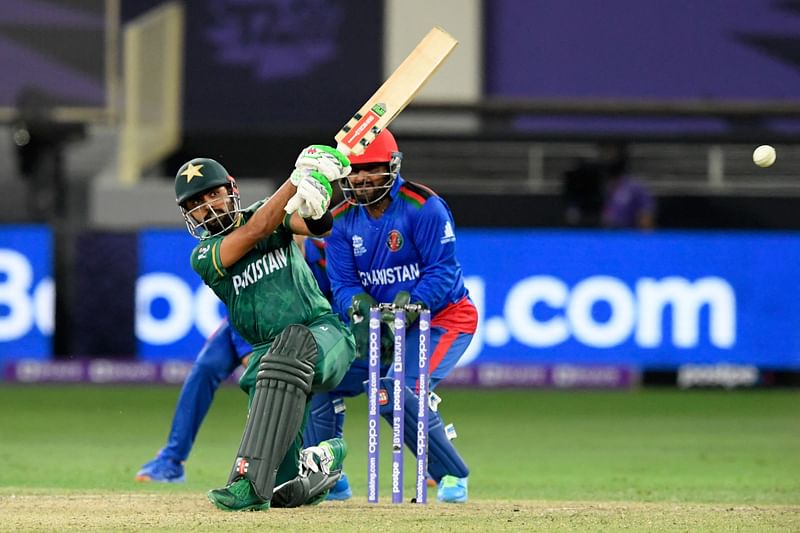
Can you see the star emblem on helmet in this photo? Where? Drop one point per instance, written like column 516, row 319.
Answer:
column 192, row 171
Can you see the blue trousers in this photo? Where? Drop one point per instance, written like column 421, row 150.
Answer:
column 219, row 357
column 326, row 417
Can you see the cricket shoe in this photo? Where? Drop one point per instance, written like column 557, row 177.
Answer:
column 238, row 496
column 161, row 470
column 452, row 490
column 341, row 491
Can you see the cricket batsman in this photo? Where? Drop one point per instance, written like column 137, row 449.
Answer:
column 249, row 259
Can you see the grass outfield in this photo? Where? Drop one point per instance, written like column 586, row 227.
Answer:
column 646, row 460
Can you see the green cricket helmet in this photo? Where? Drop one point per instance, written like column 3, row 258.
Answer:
column 215, row 216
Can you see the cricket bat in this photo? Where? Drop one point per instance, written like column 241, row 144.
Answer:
column 396, row 92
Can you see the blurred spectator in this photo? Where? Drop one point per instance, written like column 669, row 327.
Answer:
column 40, row 142
column 626, row 201
column 601, row 193
column 583, row 194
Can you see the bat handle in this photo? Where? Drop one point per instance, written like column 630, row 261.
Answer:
column 343, row 148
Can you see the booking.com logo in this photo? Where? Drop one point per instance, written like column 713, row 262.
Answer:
column 544, row 311
column 538, row 312
column 184, row 307
column 24, row 303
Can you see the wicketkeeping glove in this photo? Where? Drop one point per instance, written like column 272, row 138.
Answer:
column 359, row 327
column 401, row 299
column 359, row 321
column 326, row 160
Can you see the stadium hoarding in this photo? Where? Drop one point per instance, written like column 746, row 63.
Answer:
column 652, row 300
column 557, row 308
column 641, row 300
column 27, row 292
column 175, row 311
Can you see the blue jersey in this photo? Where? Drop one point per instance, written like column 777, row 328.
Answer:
column 411, row 247
column 315, row 257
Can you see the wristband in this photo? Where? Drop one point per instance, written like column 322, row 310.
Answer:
column 320, row 226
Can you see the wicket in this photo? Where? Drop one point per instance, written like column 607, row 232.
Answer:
column 398, row 388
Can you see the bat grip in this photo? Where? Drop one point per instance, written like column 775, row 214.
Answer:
column 343, row 148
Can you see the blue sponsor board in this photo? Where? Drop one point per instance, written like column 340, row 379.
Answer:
column 27, row 296
column 175, row 311
column 647, row 300
column 655, row 300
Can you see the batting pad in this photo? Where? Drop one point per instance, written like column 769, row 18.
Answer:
column 283, row 384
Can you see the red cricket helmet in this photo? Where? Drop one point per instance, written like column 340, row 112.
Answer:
column 383, row 150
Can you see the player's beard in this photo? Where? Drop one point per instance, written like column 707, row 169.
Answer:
column 216, row 220
column 370, row 194
column 366, row 195
column 217, row 224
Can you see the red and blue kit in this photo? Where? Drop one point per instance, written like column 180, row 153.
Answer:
column 410, row 247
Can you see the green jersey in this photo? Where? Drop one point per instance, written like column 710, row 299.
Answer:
column 269, row 288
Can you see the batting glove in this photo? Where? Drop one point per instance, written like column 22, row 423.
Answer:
column 315, row 459
column 328, row 161
column 313, row 194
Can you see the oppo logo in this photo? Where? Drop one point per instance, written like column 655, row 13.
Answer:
column 544, row 311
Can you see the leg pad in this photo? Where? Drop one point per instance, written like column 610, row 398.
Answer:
column 283, row 384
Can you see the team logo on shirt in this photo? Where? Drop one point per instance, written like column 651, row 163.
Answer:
column 394, row 241
column 358, row 245
column 448, row 235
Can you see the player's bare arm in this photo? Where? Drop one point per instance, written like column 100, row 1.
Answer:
column 310, row 227
column 306, row 195
column 208, row 198
column 263, row 222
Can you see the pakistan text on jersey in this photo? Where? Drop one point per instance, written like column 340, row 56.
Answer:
column 254, row 271
column 387, row 276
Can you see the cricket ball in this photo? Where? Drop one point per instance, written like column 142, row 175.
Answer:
column 764, row 155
